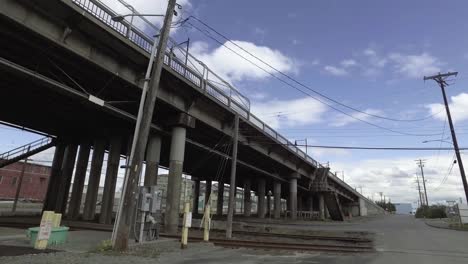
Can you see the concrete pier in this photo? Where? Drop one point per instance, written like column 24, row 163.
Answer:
column 247, row 198
column 79, row 180
column 300, row 203
column 94, row 178
column 54, row 180
column 153, row 155
column 293, row 195
column 321, row 207
column 66, row 173
column 261, row 198
column 208, row 185
column 220, row 200
column 176, row 162
column 113, row 161
column 196, row 196
column 310, row 202
column 277, row 199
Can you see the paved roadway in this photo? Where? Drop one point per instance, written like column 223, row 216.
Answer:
column 399, row 239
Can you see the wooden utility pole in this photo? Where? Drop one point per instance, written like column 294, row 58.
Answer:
column 18, row 189
column 420, row 163
column 440, row 79
column 124, row 215
column 419, row 191
column 232, row 186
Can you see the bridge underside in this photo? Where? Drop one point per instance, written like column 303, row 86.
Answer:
column 46, row 84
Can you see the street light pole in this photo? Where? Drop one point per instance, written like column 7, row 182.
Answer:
column 440, row 79
column 142, row 128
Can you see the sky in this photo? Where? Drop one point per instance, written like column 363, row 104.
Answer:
column 369, row 55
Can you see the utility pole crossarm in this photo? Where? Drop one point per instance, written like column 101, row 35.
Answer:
column 440, row 75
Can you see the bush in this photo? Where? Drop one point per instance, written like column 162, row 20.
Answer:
column 105, row 245
column 433, row 211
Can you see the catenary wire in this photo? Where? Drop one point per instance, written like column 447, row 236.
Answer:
column 305, row 86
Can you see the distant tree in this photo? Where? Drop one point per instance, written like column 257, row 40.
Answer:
column 433, row 211
column 387, row 206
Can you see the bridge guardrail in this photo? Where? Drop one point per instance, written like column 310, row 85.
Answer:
column 197, row 73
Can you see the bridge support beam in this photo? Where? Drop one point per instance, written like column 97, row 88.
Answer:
column 54, row 180
column 208, row 185
column 261, row 198
column 321, row 207
column 153, row 154
column 176, row 162
column 293, row 195
column 93, row 181
column 66, row 173
column 220, row 200
column 108, row 195
column 277, row 199
column 247, row 198
column 196, row 196
column 79, row 180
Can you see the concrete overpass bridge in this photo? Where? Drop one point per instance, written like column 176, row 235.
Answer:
column 69, row 71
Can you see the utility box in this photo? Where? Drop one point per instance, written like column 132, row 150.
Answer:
column 145, row 199
column 156, row 198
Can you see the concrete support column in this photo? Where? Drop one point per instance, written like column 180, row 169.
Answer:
column 293, row 195
column 176, row 162
column 310, row 202
column 277, row 199
column 269, row 205
column 93, row 180
column 247, row 198
column 321, row 207
column 66, row 173
column 208, row 184
column 79, row 180
column 113, row 161
column 300, row 203
column 261, row 198
column 54, row 179
column 196, row 196
column 220, row 203
column 153, row 154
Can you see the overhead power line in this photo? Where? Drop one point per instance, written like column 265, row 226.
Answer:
column 306, row 93
column 361, row 148
column 306, row 86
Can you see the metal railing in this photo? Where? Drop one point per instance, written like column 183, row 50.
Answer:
column 11, row 154
column 194, row 71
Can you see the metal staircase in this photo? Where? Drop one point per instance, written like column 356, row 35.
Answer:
column 25, row 151
column 333, row 206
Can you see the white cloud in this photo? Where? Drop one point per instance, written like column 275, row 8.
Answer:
column 234, row 68
column 315, row 62
column 343, row 120
column 336, row 71
column 395, row 177
column 348, row 63
column 147, row 7
column 369, row 52
column 458, row 106
column 415, row 66
column 289, row 113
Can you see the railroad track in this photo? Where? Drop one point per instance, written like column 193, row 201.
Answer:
column 268, row 245
column 292, row 246
column 308, row 237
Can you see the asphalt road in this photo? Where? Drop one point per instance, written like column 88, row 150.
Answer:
column 398, row 239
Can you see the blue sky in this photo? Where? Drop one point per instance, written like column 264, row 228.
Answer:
column 371, row 55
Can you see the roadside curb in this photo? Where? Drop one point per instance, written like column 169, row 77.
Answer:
column 443, row 227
